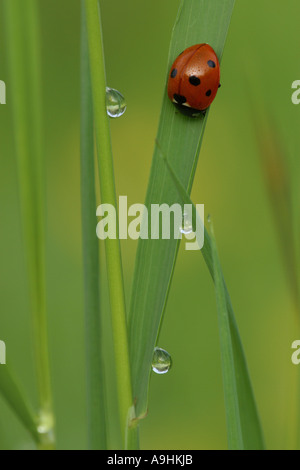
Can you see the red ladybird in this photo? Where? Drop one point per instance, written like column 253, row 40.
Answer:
column 194, row 79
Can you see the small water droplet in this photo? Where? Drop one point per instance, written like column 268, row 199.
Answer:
column 161, row 362
column 187, row 226
column 46, row 429
column 209, row 218
column 115, row 103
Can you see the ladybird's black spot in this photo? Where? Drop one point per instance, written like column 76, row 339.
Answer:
column 211, row 64
column 173, row 73
column 208, row 93
column 179, row 98
column 219, row 85
column 194, row 80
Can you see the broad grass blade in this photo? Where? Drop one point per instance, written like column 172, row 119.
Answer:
column 179, row 138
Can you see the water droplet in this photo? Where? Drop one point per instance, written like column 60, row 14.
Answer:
column 187, row 226
column 46, row 429
column 161, row 362
column 115, row 103
column 209, row 218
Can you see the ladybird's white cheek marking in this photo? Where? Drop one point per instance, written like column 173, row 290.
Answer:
column 182, row 104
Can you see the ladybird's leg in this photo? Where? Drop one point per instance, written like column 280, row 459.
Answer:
column 203, row 112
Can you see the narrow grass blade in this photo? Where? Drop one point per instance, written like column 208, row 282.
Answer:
column 112, row 246
column 17, row 401
column 94, row 359
column 180, row 139
column 21, row 18
column 243, row 424
column 234, row 431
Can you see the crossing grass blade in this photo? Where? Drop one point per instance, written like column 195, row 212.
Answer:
column 179, row 137
column 243, row 424
column 243, row 428
column 233, row 419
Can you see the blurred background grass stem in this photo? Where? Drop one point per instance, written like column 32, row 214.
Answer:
column 22, row 26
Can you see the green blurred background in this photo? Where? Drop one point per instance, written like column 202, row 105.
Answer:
column 186, row 407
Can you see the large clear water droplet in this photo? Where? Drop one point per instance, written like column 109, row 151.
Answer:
column 161, row 362
column 115, row 103
column 187, row 226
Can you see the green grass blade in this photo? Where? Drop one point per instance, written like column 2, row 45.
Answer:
column 243, row 423
column 234, row 429
column 94, row 359
column 179, row 138
column 112, row 246
column 21, row 18
column 17, row 401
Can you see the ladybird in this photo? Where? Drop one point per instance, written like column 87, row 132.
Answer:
column 194, row 80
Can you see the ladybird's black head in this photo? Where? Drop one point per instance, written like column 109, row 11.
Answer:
column 191, row 112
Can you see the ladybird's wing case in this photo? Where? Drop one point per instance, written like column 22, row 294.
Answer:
column 178, row 69
column 205, row 66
